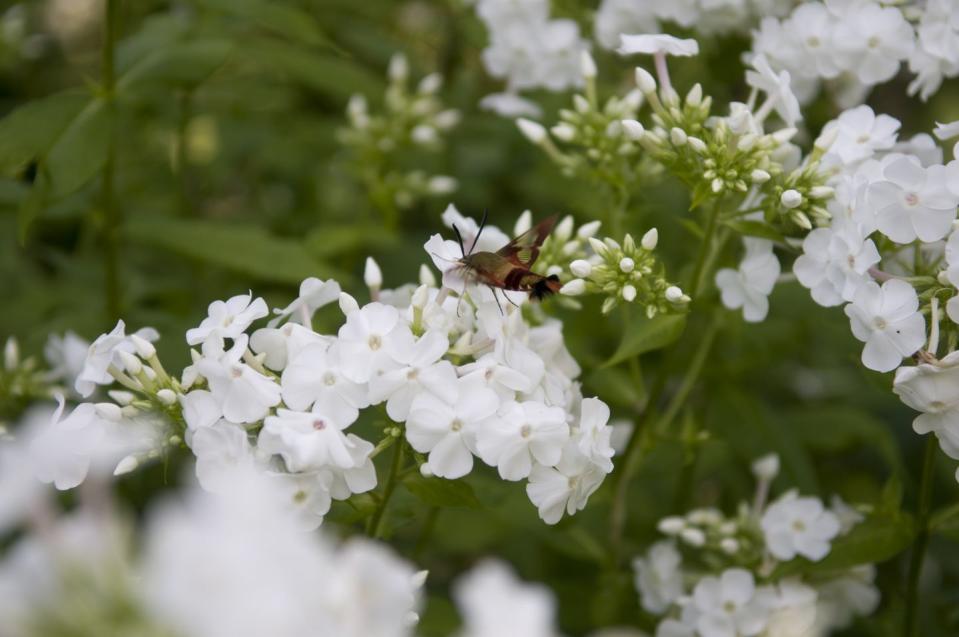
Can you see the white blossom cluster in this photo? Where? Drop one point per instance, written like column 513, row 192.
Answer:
column 856, row 45
column 528, row 49
column 715, row 575
column 410, row 119
column 620, row 17
column 463, row 374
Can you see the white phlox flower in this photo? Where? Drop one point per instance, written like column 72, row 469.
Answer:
column 314, row 379
column 228, row 319
column 730, row 605
column 521, row 433
column 420, row 369
column 104, row 353
column 366, row 340
column 799, row 526
column 244, row 394
column 307, row 441
column 912, row 201
column 564, row 488
column 314, row 294
column 887, row 320
column 835, row 262
column 494, row 603
column 933, row 389
column 659, row 577
column 749, row 286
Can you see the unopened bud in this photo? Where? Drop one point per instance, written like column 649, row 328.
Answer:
column 791, row 198
column 372, row 275
column 399, row 68
column 126, row 465
column 729, row 546
column 587, row 230
column 166, row 396
column 121, row 397
column 697, row 144
column 130, row 362
column 564, row 132
column 671, row 525
column 564, row 229
column 674, row 294
column 695, row 95
column 426, row 276
column 678, row 136
column 424, row 135
column 767, row 467
column 581, row 268
column 430, row 84
column 580, row 103
column 109, row 411
column 634, row 130
column 626, row 265
column 821, row 192
column 645, row 81
column 759, row 176
column 11, row 354
column 827, row 138
column 587, row 65
column 533, row 131
column 573, row 288
column 629, row 293
column 650, row 239
column 425, row 470
column 441, row 185
column 693, row 537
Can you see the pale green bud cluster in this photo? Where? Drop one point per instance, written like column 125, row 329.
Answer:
column 800, row 196
column 21, row 381
column 626, row 273
column 564, row 245
column 413, row 121
column 715, row 540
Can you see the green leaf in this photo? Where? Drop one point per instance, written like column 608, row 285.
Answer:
column 179, row 64
column 30, row 207
column 755, row 229
column 835, row 428
column 335, row 77
column 693, row 228
column 646, row 335
column 246, row 249
column 439, row 492
column 282, row 19
column 336, row 240
column 27, row 133
column 945, row 522
column 875, row 539
column 81, row 151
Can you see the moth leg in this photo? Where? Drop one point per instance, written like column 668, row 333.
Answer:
column 495, row 296
column 506, row 296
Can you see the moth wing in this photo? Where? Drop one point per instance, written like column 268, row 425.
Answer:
column 524, row 249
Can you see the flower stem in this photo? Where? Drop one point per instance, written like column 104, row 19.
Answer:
column 922, row 538
column 695, row 283
column 373, row 528
column 111, row 214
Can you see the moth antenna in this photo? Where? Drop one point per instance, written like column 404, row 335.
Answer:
column 496, row 298
column 509, row 299
column 480, row 231
column 459, row 238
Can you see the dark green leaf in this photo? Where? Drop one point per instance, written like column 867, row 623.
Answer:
column 30, row 207
column 180, row 64
column 283, row 19
column 332, row 76
column 27, row 133
column 439, row 492
column 331, row 241
column 837, row 428
column 693, row 228
column 646, row 335
column 755, row 229
column 945, row 522
column 81, row 151
column 247, row 249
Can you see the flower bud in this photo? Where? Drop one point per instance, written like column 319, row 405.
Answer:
column 126, row 465
column 399, row 68
column 678, row 136
column 425, row 470
column 573, row 288
column 523, row 223
column 826, row 138
column 581, row 104
column 767, row 467
column 441, row 185
column 424, row 135
column 587, row 230
column 587, row 65
column 130, row 362
column 645, row 81
column 626, row 265
column 581, row 268
column 533, row 131
column 564, row 132
column 671, row 525
column 598, row 246
column 348, row 304
column 821, row 192
column 634, row 130
column 729, row 546
column 444, row 120
column 564, row 229
column 629, row 293
column 11, row 354
column 759, row 176
column 121, row 397
column 166, row 396
column 697, row 144
column 426, row 276
column 144, row 348
column 420, row 297
column 650, row 239
column 693, row 537
column 372, row 275
column 430, row 84
column 695, row 95
column 109, row 411
column 791, row 199
column 674, row 294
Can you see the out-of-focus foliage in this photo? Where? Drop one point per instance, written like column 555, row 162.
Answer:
column 228, row 174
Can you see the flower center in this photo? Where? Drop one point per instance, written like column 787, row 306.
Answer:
column 489, row 373
column 375, row 342
column 813, row 42
column 862, row 139
column 880, row 323
column 851, row 260
column 525, row 431
column 236, row 371
column 799, row 526
column 227, row 321
column 329, row 379
column 911, row 199
column 937, row 405
column 299, row 497
column 319, row 424
column 456, row 425
column 873, row 42
column 729, row 607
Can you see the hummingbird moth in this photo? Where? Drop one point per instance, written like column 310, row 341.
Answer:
column 509, row 267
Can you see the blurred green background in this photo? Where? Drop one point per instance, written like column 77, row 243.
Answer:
column 228, row 176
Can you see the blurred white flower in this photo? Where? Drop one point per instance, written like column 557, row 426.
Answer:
column 659, row 577
column 749, row 286
column 799, row 526
column 494, row 603
column 933, row 389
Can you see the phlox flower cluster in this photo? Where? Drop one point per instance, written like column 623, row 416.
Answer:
column 856, row 45
column 411, row 119
column 528, row 49
column 715, row 575
column 461, row 373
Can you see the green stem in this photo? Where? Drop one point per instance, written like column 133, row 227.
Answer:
column 373, row 528
column 112, row 219
column 922, row 538
column 695, row 283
